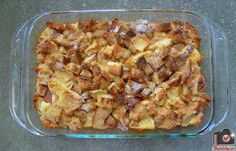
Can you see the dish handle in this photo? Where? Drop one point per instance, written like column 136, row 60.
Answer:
column 221, row 81
column 18, row 62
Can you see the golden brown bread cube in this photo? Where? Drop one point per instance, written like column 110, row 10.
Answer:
column 114, row 68
column 100, row 118
column 140, row 42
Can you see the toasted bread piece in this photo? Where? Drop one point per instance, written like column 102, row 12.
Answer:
column 140, row 42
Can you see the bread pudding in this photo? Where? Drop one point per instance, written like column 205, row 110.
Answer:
column 116, row 74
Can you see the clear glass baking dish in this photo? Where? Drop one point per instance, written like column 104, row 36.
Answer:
column 23, row 62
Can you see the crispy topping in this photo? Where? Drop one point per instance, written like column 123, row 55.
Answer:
column 130, row 102
column 115, row 74
column 57, row 26
column 143, row 64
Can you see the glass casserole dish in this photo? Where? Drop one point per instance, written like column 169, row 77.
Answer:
column 214, row 68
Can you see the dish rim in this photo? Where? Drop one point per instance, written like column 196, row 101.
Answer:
column 204, row 130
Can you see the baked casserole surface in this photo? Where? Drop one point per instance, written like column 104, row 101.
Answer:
column 115, row 74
